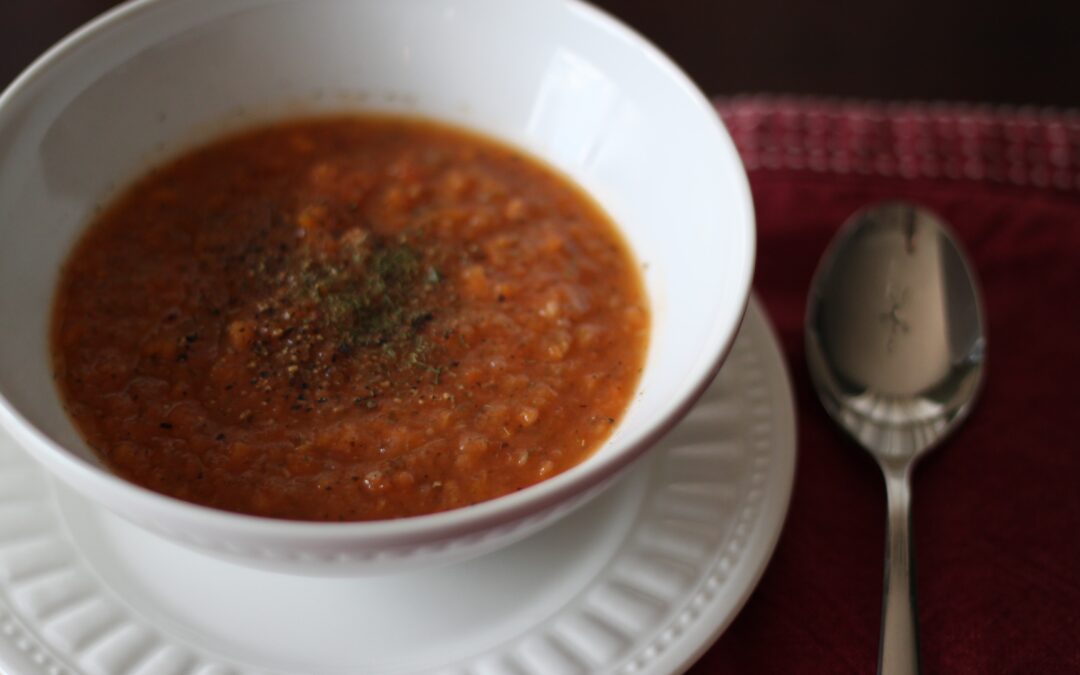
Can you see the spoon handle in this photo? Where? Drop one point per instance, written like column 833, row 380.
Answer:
column 899, row 654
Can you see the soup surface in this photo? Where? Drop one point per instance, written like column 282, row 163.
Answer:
column 348, row 318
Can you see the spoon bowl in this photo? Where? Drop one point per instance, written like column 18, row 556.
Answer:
column 896, row 348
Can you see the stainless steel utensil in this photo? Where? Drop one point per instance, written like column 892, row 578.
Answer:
column 896, row 348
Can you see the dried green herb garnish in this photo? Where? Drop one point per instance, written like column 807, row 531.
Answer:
column 377, row 296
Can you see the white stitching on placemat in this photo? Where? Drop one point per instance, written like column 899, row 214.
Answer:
column 1020, row 146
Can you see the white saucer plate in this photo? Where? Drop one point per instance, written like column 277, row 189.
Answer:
column 642, row 580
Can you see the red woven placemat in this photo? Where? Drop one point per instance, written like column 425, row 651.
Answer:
column 997, row 508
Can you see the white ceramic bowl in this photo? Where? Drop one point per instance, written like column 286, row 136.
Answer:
column 556, row 77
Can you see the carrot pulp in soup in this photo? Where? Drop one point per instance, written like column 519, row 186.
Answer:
column 348, row 318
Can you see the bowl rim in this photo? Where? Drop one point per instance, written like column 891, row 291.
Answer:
column 93, row 480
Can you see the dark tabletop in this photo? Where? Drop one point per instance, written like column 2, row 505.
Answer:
column 998, row 51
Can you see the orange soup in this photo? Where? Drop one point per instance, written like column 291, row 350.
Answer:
column 348, row 318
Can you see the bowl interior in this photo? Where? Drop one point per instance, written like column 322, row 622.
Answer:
column 555, row 78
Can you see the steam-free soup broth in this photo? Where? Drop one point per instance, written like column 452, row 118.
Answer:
column 348, row 318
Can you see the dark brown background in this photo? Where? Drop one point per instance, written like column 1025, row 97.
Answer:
column 1014, row 51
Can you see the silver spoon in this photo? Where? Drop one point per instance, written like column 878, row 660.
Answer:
column 895, row 346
